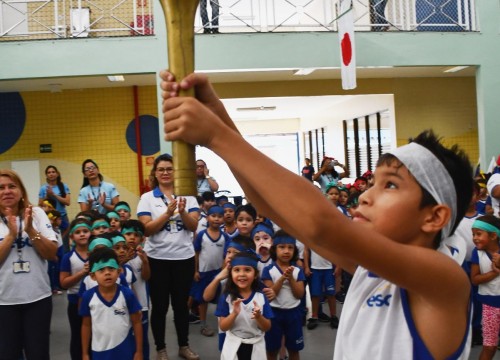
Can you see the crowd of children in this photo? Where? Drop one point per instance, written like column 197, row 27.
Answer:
column 257, row 275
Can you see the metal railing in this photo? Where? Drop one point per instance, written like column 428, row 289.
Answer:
column 56, row 19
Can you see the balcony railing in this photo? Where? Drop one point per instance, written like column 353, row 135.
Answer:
column 58, row 19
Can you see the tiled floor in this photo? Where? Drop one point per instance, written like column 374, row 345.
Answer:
column 318, row 342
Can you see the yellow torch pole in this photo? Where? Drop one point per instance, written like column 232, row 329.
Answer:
column 179, row 17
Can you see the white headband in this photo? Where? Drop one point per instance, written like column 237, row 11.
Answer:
column 431, row 174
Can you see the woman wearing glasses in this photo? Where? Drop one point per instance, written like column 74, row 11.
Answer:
column 95, row 193
column 170, row 222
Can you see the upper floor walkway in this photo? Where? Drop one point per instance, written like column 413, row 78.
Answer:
column 62, row 19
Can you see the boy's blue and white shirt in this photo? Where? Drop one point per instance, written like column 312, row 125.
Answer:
column 487, row 293
column 112, row 336
column 318, row 262
column 88, row 283
column 211, row 251
column 73, row 263
column 262, row 264
column 140, row 285
column 285, row 298
column 376, row 323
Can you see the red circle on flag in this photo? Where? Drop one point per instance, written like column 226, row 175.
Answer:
column 346, row 46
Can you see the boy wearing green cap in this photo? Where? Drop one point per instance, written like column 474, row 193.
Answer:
column 111, row 314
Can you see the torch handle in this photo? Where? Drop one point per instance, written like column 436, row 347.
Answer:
column 179, row 17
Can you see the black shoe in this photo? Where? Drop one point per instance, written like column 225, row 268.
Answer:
column 206, row 31
column 312, row 323
column 215, row 30
column 334, row 322
column 193, row 319
column 340, row 297
column 322, row 317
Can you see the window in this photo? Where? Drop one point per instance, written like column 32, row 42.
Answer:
column 365, row 139
column 314, row 146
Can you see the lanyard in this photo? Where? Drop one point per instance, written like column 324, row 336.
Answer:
column 201, row 183
column 19, row 238
column 164, row 199
column 96, row 198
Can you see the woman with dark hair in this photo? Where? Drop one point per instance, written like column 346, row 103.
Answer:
column 28, row 241
column 169, row 221
column 327, row 173
column 56, row 190
column 96, row 194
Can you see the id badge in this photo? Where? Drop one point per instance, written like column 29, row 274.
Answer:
column 173, row 226
column 21, row 267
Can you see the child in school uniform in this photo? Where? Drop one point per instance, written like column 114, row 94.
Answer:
column 122, row 252
column 209, row 254
column 484, row 274
column 287, row 280
column 262, row 236
column 321, row 283
column 74, row 267
column 122, row 208
column 244, row 313
column 229, row 219
column 114, row 221
column 100, row 225
column 245, row 219
column 236, row 245
column 245, row 216
column 133, row 231
column 111, row 314
column 418, row 298
column 96, row 243
column 54, row 265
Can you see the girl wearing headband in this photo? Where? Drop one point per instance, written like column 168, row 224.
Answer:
column 484, row 274
column 74, row 267
column 114, row 221
column 287, row 281
column 122, row 208
column 244, row 312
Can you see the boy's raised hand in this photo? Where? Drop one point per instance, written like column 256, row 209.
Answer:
column 204, row 91
column 207, row 98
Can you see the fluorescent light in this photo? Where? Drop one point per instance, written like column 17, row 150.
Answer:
column 455, row 69
column 116, row 78
column 304, row 71
column 257, row 108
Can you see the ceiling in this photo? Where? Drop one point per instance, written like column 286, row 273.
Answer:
column 286, row 107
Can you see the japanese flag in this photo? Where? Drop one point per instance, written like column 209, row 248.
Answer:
column 346, row 41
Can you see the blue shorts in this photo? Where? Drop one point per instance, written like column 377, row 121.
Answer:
column 198, row 287
column 287, row 322
column 322, row 282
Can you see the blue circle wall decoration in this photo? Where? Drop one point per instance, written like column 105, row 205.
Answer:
column 150, row 135
column 12, row 119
